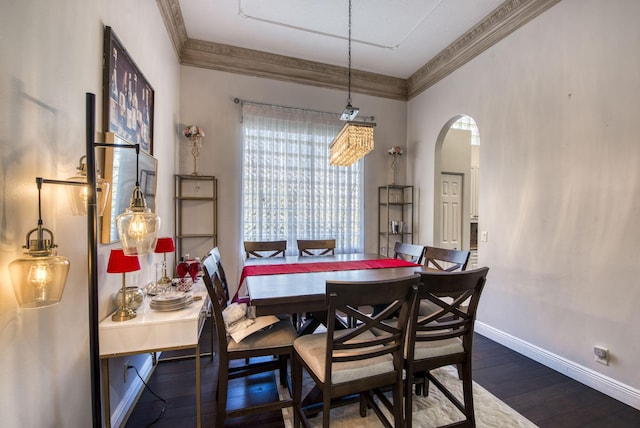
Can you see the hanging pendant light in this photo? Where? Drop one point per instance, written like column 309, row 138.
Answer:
column 355, row 139
column 80, row 194
column 39, row 276
column 138, row 227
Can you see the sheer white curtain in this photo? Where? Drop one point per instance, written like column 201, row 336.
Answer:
column 289, row 189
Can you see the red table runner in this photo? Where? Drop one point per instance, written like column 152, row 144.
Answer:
column 283, row 268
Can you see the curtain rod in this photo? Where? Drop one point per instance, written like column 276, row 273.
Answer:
column 241, row 101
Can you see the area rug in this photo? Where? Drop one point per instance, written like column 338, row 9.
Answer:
column 431, row 411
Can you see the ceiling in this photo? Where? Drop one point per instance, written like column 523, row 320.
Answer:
column 399, row 47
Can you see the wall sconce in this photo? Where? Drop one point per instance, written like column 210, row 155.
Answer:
column 119, row 262
column 39, row 276
column 137, row 227
column 165, row 245
column 41, row 247
column 79, row 195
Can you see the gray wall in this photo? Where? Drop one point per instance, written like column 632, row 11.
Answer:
column 556, row 104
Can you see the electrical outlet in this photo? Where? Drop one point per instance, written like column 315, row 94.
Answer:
column 601, row 355
column 126, row 370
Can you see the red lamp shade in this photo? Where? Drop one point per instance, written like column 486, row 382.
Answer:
column 165, row 245
column 121, row 263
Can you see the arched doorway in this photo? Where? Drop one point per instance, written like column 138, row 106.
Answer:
column 456, row 196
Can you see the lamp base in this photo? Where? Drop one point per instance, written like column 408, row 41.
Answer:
column 123, row 314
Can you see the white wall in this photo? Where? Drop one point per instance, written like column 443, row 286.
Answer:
column 556, row 104
column 207, row 100
column 50, row 55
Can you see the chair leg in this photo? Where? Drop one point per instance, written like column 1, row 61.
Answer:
column 408, row 400
column 467, row 391
column 397, row 404
column 296, row 380
column 283, row 369
column 221, row 409
column 326, row 411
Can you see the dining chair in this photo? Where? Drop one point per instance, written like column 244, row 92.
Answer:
column 409, row 252
column 215, row 253
column 276, row 341
column 316, row 247
column 355, row 360
column 259, row 248
column 313, row 247
column 446, row 259
column 444, row 337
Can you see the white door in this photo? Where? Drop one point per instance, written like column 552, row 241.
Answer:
column 451, row 211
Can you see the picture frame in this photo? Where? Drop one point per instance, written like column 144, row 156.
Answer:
column 128, row 98
column 120, row 171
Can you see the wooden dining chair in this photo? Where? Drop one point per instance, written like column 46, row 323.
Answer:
column 277, row 341
column 409, row 252
column 355, row 360
column 215, row 253
column 316, row 247
column 445, row 259
column 445, row 337
column 265, row 248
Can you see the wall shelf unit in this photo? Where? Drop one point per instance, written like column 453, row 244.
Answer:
column 196, row 214
column 395, row 216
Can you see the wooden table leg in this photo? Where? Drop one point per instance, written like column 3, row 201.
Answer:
column 198, row 387
column 105, row 392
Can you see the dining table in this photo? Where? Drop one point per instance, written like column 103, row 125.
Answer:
column 297, row 284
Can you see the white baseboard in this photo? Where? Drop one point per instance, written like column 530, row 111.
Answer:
column 121, row 412
column 591, row 378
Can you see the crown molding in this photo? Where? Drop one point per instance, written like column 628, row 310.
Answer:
column 233, row 59
column 502, row 21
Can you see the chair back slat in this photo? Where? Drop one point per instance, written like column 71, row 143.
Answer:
column 457, row 295
column 265, row 248
column 371, row 337
column 218, row 298
column 445, row 259
column 409, row 252
column 316, row 247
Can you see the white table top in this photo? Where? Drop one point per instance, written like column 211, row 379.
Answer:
column 153, row 330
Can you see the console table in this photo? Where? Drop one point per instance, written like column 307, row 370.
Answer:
column 153, row 331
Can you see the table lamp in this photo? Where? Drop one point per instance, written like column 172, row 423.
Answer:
column 119, row 262
column 165, row 245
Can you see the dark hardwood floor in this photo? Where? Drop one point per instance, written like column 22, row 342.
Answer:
column 544, row 396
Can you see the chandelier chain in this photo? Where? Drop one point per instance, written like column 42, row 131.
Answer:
column 349, row 73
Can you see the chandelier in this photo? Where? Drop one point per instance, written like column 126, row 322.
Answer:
column 355, row 139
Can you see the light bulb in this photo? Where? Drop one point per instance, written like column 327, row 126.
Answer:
column 138, row 227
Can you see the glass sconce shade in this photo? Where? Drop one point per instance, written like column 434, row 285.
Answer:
column 39, row 276
column 138, row 227
column 353, row 142
column 79, row 194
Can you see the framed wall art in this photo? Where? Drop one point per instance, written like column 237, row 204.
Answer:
column 128, row 96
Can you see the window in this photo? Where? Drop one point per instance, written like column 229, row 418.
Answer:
column 467, row 122
column 289, row 189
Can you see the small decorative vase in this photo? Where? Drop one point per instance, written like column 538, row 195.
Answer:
column 196, row 144
column 134, row 297
column 394, row 168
